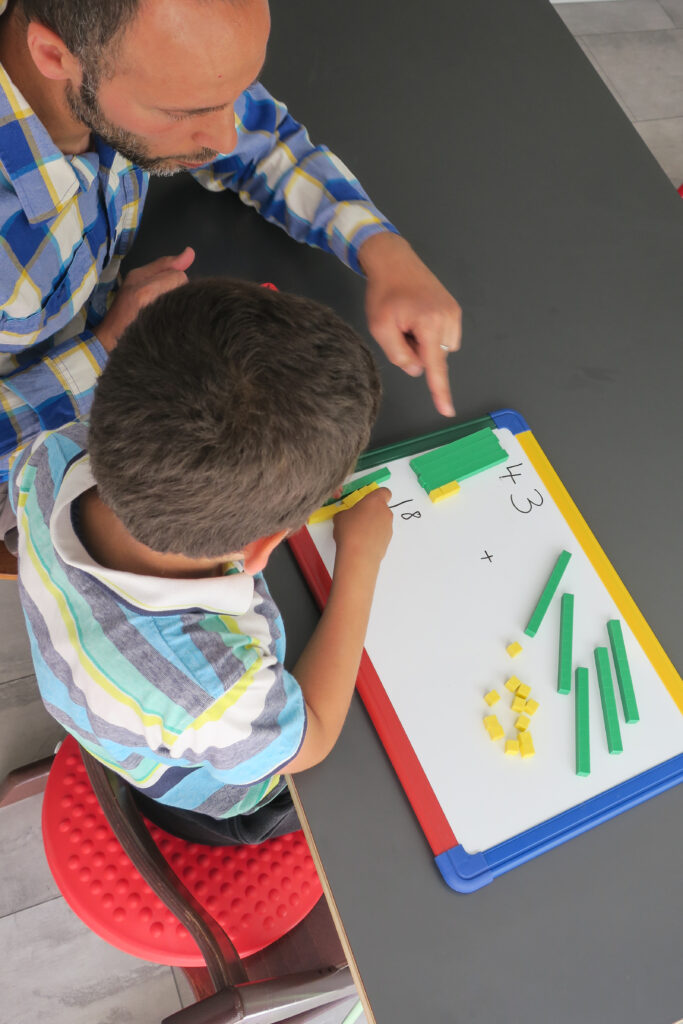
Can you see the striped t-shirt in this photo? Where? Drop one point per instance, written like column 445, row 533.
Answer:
column 176, row 684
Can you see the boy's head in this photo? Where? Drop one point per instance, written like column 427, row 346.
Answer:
column 227, row 413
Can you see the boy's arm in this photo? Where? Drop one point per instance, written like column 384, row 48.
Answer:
column 328, row 666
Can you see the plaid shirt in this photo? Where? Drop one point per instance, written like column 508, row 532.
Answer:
column 68, row 221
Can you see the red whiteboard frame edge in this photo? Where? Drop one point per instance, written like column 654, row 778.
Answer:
column 410, row 772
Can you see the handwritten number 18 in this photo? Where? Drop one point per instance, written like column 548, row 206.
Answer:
column 407, row 515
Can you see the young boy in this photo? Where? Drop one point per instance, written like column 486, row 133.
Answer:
column 224, row 417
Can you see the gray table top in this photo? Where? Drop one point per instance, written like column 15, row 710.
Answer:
column 481, row 129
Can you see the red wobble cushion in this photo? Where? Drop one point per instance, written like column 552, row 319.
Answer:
column 256, row 893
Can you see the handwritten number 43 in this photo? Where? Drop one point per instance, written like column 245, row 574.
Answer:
column 531, row 504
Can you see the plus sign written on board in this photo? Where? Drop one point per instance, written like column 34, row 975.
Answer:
column 486, row 556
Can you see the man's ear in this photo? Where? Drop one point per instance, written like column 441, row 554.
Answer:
column 51, row 55
column 257, row 552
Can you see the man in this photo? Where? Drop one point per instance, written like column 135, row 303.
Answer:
column 93, row 98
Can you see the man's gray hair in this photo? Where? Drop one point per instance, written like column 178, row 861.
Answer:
column 86, row 27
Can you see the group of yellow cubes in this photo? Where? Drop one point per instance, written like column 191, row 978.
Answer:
column 525, row 706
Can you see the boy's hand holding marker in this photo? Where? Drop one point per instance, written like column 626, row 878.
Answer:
column 365, row 530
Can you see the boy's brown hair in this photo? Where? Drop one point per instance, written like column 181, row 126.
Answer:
column 228, row 412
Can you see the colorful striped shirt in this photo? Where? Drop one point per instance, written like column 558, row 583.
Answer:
column 176, row 684
column 68, row 221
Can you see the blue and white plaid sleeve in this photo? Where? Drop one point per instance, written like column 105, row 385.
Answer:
column 49, row 393
column 65, row 225
column 303, row 188
column 50, row 357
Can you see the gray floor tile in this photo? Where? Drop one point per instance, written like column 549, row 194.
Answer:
column 15, row 654
column 335, row 1014
column 331, row 1015
column 52, row 968
column 185, row 993
column 340, row 1012
column 674, row 8
column 27, row 732
column 614, row 16
column 604, row 77
column 26, row 878
column 665, row 140
column 645, row 69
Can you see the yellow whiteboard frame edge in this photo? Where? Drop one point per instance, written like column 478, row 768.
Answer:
column 637, row 623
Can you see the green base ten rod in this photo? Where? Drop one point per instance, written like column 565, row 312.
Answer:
column 546, row 597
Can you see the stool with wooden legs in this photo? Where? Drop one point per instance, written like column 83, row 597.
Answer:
column 230, row 917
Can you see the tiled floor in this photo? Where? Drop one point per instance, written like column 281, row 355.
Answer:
column 51, row 967
column 637, row 48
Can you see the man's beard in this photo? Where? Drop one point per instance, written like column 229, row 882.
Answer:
column 85, row 107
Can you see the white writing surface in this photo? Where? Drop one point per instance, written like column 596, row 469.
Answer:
column 457, row 585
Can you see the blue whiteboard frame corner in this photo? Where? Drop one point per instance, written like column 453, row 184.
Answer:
column 466, row 872
column 463, row 871
column 510, row 418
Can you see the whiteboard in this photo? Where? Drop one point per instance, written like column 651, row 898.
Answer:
column 458, row 584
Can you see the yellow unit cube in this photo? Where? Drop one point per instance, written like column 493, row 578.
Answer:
column 531, row 706
column 493, row 727
column 514, row 649
column 439, row 493
column 522, row 723
column 518, row 704
column 512, row 747
column 526, row 744
column 523, row 690
column 491, row 698
column 512, row 684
